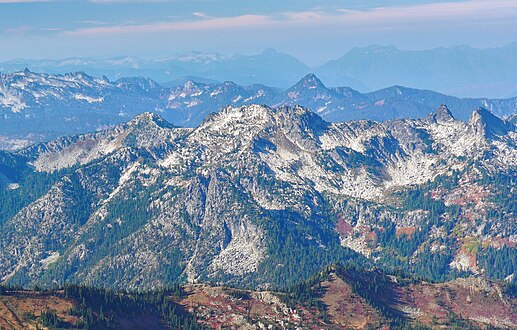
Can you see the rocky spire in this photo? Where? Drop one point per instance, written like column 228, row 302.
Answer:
column 310, row 81
column 149, row 119
column 442, row 114
column 484, row 122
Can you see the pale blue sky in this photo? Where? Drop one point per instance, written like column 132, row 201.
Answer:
column 314, row 31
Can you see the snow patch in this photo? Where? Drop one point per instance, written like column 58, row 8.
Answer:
column 89, row 99
column 53, row 257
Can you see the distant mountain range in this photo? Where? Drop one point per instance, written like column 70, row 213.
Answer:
column 39, row 107
column 270, row 68
column 459, row 70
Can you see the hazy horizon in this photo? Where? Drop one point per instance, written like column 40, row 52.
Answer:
column 259, row 52
column 313, row 31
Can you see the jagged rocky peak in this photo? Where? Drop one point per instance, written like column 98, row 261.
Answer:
column 257, row 117
column 131, row 82
column 191, row 85
column 234, row 119
column 149, row 119
column 293, row 110
column 299, row 116
column 310, row 81
column 442, row 114
column 25, row 73
column 229, row 83
column 283, row 115
column 80, row 75
column 189, row 89
column 484, row 122
column 250, row 113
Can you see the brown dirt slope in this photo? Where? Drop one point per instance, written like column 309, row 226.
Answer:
column 348, row 301
column 22, row 309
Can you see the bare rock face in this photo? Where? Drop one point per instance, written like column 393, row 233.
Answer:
column 257, row 196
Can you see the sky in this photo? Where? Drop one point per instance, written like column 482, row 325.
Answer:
column 313, row 31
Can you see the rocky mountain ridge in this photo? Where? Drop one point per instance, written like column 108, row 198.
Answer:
column 40, row 107
column 260, row 196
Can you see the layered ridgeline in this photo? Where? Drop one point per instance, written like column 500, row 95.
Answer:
column 457, row 70
column 40, row 107
column 261, row 197
column 270, row 67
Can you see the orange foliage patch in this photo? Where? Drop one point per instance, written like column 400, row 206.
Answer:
column 408, row 231
column 343, row 227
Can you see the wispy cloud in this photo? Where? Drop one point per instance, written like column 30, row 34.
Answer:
column 96, row 23
column 470, row 10
column 51, row 29
column 21, row 29
column 201, row 15
column 466, row 11
column 203, row 24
